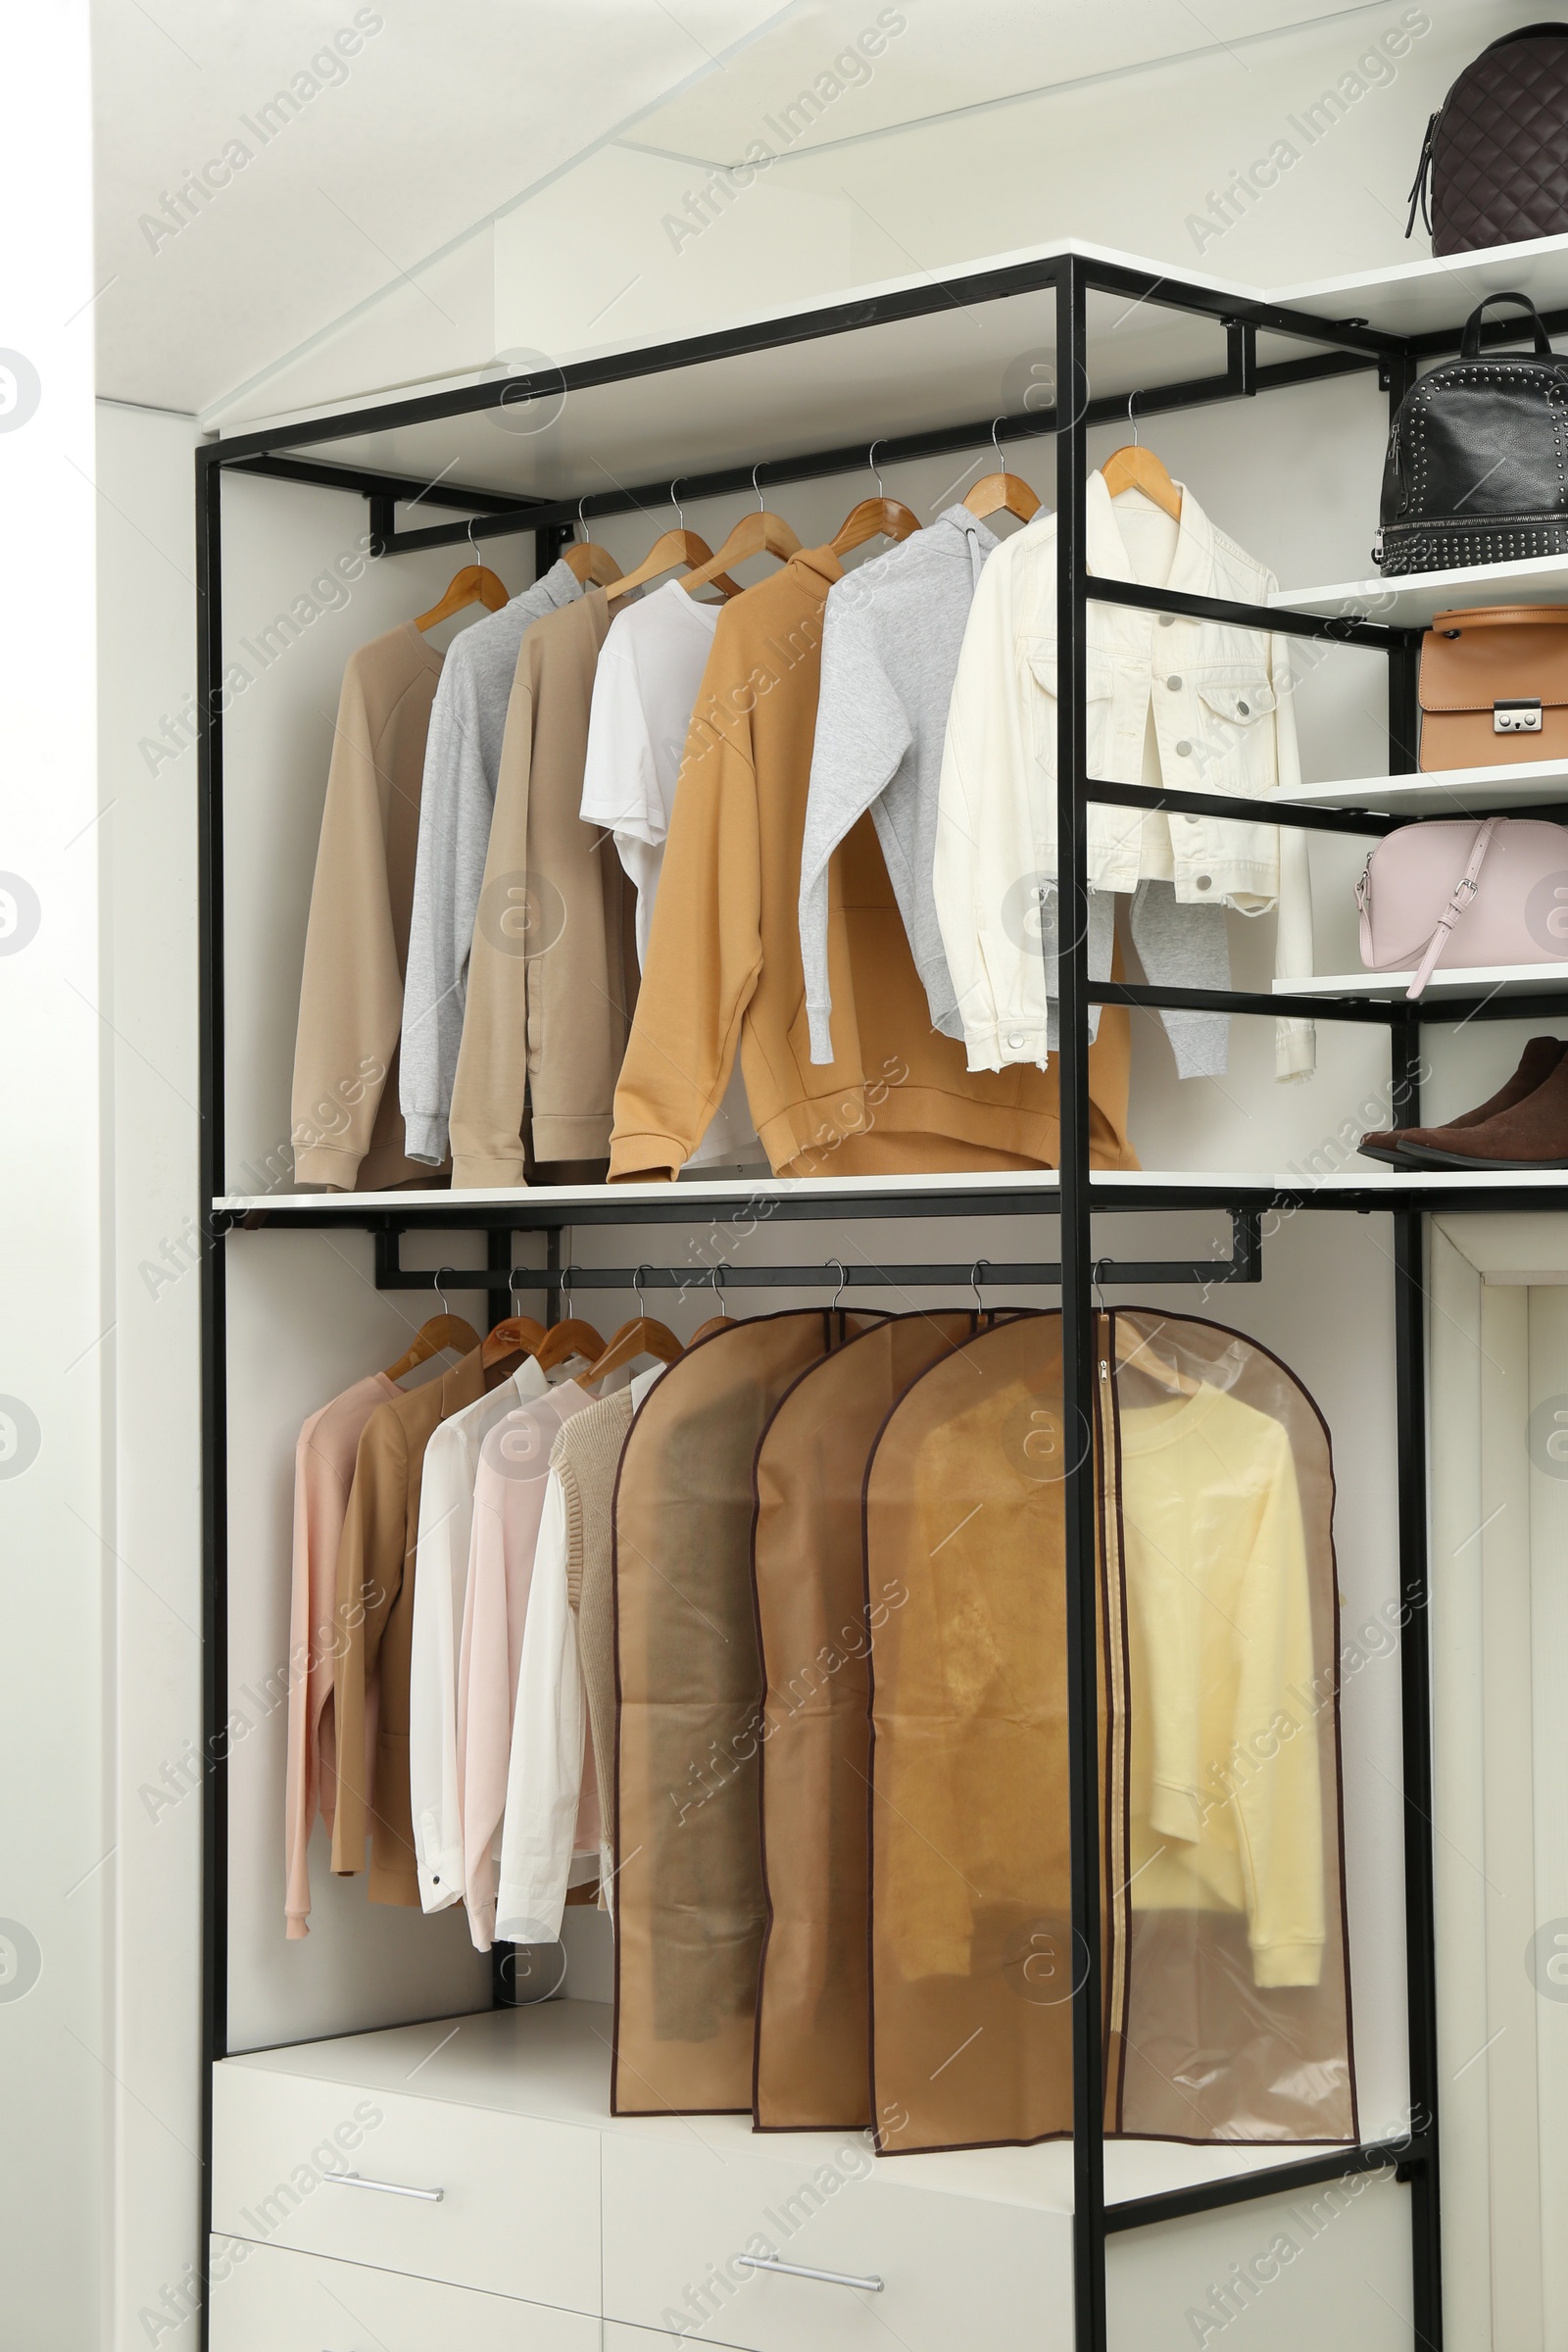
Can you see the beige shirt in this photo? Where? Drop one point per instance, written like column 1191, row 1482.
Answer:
column 347, row 1123
column 551, row 971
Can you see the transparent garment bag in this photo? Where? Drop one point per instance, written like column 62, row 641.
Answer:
column 817, row 1626
column 1227, row 2009
column 1226, row 1836
column 689, row 1691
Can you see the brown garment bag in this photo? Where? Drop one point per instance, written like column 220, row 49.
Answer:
column 688, row 1712
column 817, row 1624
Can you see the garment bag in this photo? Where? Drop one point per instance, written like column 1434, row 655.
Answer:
column 972, row 1967
column 1226, row 1844
column 818, row 1627
column 689, row 1694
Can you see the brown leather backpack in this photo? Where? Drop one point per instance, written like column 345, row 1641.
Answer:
column 1493, row 168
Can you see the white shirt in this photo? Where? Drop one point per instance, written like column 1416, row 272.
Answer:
column 446, row 1522
column 539, row 1859
column 650, row 668
column 1218, row 701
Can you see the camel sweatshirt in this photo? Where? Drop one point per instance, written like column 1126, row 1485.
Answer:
column 723, row 973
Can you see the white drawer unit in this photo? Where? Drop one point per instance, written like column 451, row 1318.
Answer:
column 815, row 2245
column 267, row 2300
column 481, row 2198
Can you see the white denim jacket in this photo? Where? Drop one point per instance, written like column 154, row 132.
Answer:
column 1224, row 721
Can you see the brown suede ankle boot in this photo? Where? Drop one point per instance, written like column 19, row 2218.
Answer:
column 1532, row 1134
column 1536, row 1062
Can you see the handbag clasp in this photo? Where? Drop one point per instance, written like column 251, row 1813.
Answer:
column 1518, row 715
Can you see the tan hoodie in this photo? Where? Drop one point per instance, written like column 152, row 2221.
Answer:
column 723, row 971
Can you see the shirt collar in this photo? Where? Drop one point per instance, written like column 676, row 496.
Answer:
column 1191, row 573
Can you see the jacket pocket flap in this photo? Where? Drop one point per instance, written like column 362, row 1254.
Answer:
column 1242, row 700
column 1100, row 670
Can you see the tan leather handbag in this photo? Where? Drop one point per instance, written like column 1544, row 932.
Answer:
column 1493, row 686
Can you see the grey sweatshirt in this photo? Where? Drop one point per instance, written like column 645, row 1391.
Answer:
column 890, row 654
column 461, row 760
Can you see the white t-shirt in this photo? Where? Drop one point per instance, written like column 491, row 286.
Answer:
column 650, row 668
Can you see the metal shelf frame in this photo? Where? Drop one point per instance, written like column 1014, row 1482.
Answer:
column 1332, row 348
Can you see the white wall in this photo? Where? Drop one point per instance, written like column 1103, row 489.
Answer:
column 58, row 1573
column 147, row 844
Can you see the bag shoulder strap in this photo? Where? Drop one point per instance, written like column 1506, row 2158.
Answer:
column 1465, row 891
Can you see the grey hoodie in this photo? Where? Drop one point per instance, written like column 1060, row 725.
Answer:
column 462, row 760
column 890, row 654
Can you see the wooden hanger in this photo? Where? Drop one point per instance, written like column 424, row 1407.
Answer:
column 642, row 1335
column 881, row 515
column 1002, row 493
column 669, row 549
column 475, row 584
column 516, row 1334
column 572, row 1337
column 759, row 534
column 594, row 566
column 1133, row 468
column 591, row 564
column 441, row 1331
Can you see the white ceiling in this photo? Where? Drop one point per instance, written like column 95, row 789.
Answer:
column 455, row 112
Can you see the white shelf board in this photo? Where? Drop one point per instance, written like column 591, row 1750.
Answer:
column 1452, row 980
column 720, row 1192
column 1412, row 602
column 1445, row 792
column 1423, row 296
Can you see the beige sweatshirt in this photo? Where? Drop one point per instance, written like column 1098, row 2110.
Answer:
column 723, row 972
column 347, row 1125
column 1226, row 1802
column 552, row 972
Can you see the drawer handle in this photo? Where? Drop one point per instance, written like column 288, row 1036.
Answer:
column 799, row 2270
column 385, row 2188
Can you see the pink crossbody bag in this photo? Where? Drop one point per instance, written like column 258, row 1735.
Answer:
column 1472, row 894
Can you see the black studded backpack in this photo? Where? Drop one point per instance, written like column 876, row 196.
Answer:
column 1477, row 465
column 1494, row 167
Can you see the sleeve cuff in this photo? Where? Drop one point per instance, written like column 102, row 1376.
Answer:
column 1294, row 1049
column 441, row 1879
column 646, row 1159
column 425, row 1136
column 473, row 1171
column 1000, row 1045
column 530, row 1914
column 323, row 1166
column 1276, row 1964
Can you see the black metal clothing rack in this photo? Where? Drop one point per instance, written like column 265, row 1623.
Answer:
column 1332, row 348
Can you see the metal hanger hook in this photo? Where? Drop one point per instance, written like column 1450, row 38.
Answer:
column 436, row 1281
column 1131, row 418
column 511, row 1283
column 997, row 445
column 755, row 470
column 838, row 1264
column 637, row 1287
column 976, row 1272
column 581, row 502
column 719, row 1291
column 1097, row 1272
column 473, row 542
column 680, row 511
column 871, row 467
